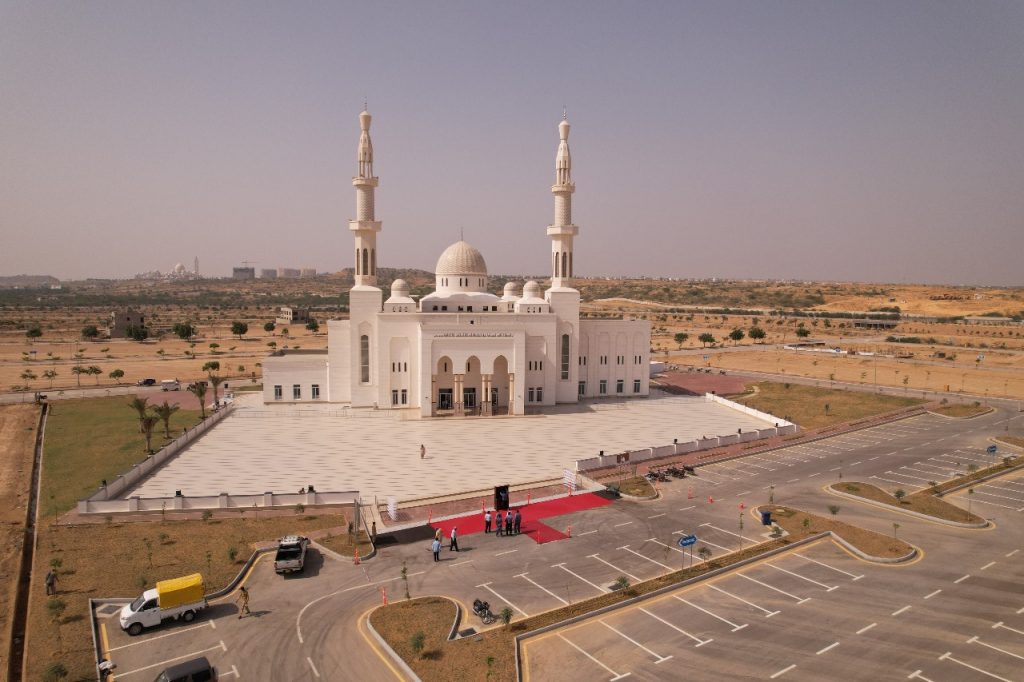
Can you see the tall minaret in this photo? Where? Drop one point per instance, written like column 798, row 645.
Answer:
column 562, row 231
column 364, row 227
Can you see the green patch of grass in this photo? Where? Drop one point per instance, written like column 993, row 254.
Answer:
column 638, row 486
column 805, row 405
column 88, row 441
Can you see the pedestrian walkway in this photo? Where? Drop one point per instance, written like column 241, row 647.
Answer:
column 531, row 527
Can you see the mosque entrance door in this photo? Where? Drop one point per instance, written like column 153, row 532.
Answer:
column 444, row 399
column 494, row 397
column 469, row 398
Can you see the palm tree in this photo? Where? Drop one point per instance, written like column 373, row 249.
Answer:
column 96, row 372
column 148, row 422
column 198, row 389
column 78, row 371
column 216, row 381
column 140, row 406
column 164, row 412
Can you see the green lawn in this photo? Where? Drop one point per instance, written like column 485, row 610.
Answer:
column 805, row 405
column 87, row 441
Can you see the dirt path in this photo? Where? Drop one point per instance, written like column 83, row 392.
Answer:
column 17, row 438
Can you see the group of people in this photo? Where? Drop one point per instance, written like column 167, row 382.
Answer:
column 511, row 522
column 435, row 546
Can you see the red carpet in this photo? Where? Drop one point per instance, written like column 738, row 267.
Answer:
column 532, row 514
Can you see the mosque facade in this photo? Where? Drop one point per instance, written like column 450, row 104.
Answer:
column 462, row 350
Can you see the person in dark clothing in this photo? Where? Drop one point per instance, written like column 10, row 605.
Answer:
column 497, row 523
column 455, row 540
column 517, row 522
column 508, row 523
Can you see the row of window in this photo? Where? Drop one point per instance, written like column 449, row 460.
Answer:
column 535, row 395
column 534, row 365
column 602, row 387
column 297, row 392
column 396, row 395
column 468, row 309
column 463, row 281
column 399, row 366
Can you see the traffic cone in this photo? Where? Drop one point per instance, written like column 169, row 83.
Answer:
column 689, row 495
column 710, row 500
column 482, row 507
column 355, row 559
column 568, row 531
column 430, row 515
column 742, row 506
column 528, row 494
column 384, row 595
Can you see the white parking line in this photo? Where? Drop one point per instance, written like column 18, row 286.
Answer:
column 833, row 645
column 727, row 550
column 700, row 642
column 866, row 628
column 535, row 584
column 996, row 504
column 315, row 671
column 1012, row 553
column 838, row 570
column 674, row 549
column 767, row 613
column 793, row 480
column 667, row 568
column 487, row 586
column 828, row 588
column 988, row 565
column 1006, row 627
column 630, row 575
column 596, row 587
column 916, row 675
column 660, row 659
column 799, row 600
column 657, row 516
column 220, row 646
column 147, row 640
column 889, row 480
column 579, row 534
column 734, row 626
column 1005, row 497
column 511, row 550
column 915, row 478
column 617, row 675
column 929, row 596
column 784, row 671
column 722, row 530
column 625, row 523
column 961, row 579
column 693, row 506
column 977, row 640
column 461, row 563
column 899, row 611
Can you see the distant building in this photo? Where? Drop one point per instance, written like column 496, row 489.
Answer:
column 287, row 273
column 243, row 273
column 268, row 273
column 307, row 272
column 875, row 324
column 989, row 320
column 289, row 315
column 121, row 320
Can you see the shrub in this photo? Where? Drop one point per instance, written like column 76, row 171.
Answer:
column 621, row 583
column 207, row 515
column 417, row 642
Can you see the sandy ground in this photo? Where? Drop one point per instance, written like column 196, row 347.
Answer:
column 920, row 374
column 17, row 440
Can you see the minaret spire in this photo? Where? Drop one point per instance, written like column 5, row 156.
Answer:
column 563, row 230
column 365, row 226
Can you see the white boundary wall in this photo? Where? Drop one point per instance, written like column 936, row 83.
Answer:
column 782, row 428
column 222, row 501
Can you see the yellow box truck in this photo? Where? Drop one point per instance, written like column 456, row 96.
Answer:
column 176, row 598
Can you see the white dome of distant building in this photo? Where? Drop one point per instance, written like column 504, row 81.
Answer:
column 510, row 292
column 461, row 259
column 531, row 290
column 400, row 300
column 399, row 288
column 179, row 269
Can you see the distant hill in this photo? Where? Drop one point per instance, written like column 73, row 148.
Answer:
column 28, row 282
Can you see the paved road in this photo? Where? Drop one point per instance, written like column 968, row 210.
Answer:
column 637, row 540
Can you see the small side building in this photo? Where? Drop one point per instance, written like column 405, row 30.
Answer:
column 121, row 320
column 289, row 315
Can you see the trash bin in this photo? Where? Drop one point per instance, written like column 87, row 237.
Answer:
column 766, row 518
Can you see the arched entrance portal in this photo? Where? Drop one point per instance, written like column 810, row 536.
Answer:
column 444, row 386
column 499, row 384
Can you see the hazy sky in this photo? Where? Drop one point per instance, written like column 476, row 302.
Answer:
column 856, row 140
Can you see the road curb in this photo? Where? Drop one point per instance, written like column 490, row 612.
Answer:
column 909, row 512
column 391, row 652
column 874, row 559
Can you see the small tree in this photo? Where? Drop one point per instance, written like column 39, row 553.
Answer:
column 405, row 579
column 90, row 331
column 213, row 347
column 148, row 423
column 833, row 509
column 164, row 412
column 806, row 523
column 704, row 553
column 736, row 335
column 803, row 332
column 706, row 338
column 78, row 371
column 417, row 642
column 269, row 327
column 216, row 381
column 117, row 375
column 506, row 616
column 621, row 583
column 33, row 332
column 211, row 366
column 756, row 333
column 895, row 527
column 239, row 329
column 198, row 389
column 681, row 338
column 900, row 494
column 50, row 374
column 95, row 372
column 137, row 333
column 140, row 405
column 313, row 326
column 207, row 515
column 184, row 330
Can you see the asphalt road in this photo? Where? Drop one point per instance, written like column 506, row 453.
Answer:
column 307, row 628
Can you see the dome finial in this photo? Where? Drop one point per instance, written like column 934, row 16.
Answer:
column 565, row 113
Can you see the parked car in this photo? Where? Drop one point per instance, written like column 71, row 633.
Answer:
column 291, row 554
column 146, row 382
column 176, row 598
column 170, row 385
column 195, row 670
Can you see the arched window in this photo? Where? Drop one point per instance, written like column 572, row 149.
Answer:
column 357, row 262
column 366, row 261
column 565, row 272
column 364, row 358
column 570, row 265
column 556, row 265
column 373, row 262
column 565, row 356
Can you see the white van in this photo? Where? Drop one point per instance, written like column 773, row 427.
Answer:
column 170, row 385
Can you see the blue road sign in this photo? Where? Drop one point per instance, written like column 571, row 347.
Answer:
column 991, row 449
column 687, row 540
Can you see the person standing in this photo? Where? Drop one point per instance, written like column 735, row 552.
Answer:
column 243, row 601
column 423, row 450
column 508, row 523
column 497, row 524
column 455, row 539
column 517, row 523
column 487, row 521
column 435, row 547
column 437, row 535
column 51, row 582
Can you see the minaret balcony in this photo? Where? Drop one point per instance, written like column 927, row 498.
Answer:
column 556, row 230
column 365, row 225
column 363, row 181
column 567, row 188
